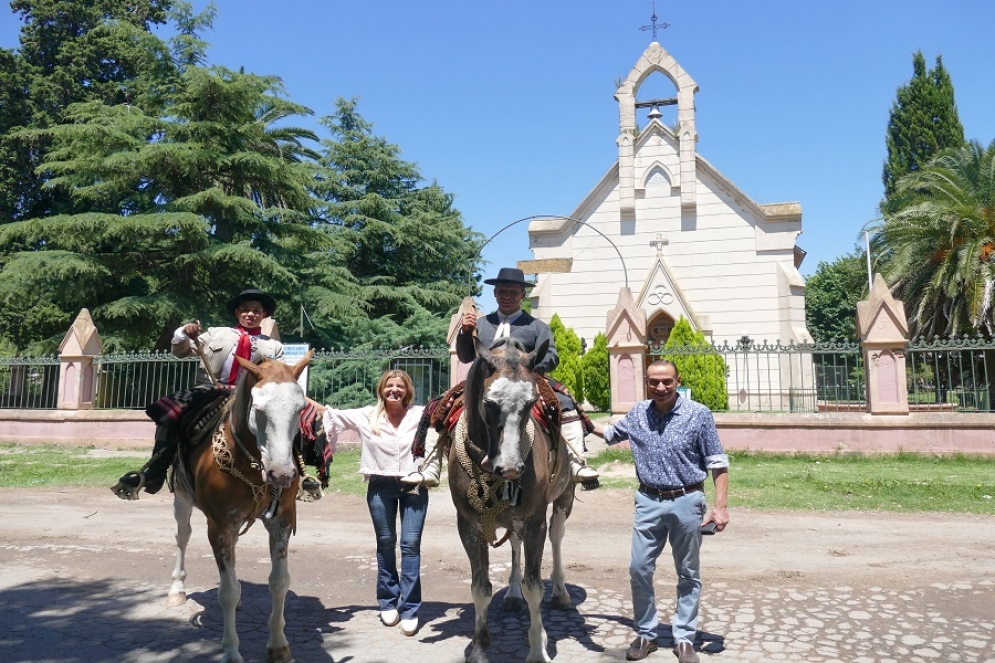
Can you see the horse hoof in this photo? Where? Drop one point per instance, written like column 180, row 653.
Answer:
column 561, row 602
column 477, row 654
column 515, row 604
column 280, row 655
column 176, row 598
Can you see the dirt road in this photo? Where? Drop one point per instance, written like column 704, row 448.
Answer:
column 84, row 578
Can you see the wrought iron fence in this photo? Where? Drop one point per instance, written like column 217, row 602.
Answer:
column 340, row 378
column 131, row 381
column 29, row 383
column 771, row 377
column 950, row 374
column 348, row 378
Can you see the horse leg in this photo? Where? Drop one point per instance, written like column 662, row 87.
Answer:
column 223, row 540
column 514, row 600
column 532, row 587
column 277, row 647
column 480, row 587
column 560, row 598
column 181, row 512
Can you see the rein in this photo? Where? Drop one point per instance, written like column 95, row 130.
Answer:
column 484, row 486
column 226, row 461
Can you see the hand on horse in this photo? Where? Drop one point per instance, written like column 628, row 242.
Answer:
column 469, row 322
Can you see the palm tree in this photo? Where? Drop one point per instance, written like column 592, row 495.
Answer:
column 939, row 243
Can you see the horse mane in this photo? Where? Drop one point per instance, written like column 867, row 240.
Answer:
column 239, row 411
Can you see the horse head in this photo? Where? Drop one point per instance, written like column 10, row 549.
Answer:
column 268, row 406
column 500, row 393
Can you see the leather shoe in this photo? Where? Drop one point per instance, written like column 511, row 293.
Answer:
column 640, row 648
column 684, row 651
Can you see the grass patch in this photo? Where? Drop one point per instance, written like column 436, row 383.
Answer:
column 901, row 482
column 37, row 466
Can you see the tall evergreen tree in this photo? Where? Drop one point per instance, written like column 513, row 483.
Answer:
column 183, row 210
column 71, row 52
column 922, row 123
column 402, row 257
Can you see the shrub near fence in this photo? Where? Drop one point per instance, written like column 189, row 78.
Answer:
column 348, row 378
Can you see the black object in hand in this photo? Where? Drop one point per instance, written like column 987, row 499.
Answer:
column 708, row 528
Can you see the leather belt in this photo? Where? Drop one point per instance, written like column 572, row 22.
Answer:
column 670, row 493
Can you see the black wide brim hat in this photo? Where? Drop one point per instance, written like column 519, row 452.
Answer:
column 251, row 295
column 510, row 275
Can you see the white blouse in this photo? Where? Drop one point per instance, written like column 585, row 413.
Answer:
column 387, row 454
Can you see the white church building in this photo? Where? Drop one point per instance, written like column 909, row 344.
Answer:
column 687, row 241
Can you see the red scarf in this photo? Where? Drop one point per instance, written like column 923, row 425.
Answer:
column 243, row 350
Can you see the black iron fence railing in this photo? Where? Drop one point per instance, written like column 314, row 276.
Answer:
column 942, row 375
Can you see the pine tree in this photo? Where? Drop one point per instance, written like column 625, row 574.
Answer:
column 184, row 209
column 923, row 122
column 569, row 370
column 402, row 259
column 596, row 370
column 702, row 370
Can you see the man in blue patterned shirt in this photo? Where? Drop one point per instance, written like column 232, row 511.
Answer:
column 674, row 445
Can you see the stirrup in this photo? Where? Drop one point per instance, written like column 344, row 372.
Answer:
column 309, row 490
column 126, row 491
column 422, row 480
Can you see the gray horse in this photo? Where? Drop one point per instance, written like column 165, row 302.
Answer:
column 504, row 471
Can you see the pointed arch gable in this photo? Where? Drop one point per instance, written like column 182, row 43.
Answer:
column 661, row 293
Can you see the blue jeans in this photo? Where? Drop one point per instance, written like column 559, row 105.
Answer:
column 656, row 522
column 385, row 497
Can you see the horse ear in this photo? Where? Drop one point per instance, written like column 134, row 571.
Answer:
column 250, row 367
column 483, row 352
column 302, row 364
column 537, row 355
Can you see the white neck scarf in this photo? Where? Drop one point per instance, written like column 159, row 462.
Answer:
column 504, row 328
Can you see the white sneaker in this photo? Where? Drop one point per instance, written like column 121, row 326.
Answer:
column 389, row 617
column 409, row 626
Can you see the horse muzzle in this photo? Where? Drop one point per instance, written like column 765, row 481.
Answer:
column 281, row 478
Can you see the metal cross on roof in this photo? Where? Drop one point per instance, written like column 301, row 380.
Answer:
column 659, row 242
column 654, row 26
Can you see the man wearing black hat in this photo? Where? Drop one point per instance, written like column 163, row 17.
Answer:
column 510, row 320
column 218, row 370
column 220, row 345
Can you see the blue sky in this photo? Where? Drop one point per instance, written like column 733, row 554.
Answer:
column 509, row 105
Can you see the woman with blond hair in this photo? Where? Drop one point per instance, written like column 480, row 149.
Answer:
column 387, row 431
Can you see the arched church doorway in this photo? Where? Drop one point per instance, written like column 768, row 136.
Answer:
column 659, row 328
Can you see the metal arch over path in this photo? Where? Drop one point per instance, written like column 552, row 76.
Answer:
column 625, row 271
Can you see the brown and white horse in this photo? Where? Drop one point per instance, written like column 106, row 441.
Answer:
column 504, row 472
column 247, row 472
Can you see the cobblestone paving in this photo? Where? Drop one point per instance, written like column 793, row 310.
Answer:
column 51, row 620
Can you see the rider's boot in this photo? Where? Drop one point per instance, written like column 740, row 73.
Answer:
column 431, row 467
column 154, row 476
column 573, row 433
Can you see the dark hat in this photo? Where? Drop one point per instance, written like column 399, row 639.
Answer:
column 251, row 295
column 510, row 275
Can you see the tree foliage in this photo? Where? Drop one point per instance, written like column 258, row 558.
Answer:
column 402, row 258
column 702, row 371
column 940, row 243
column 595, row 369
column 148, row 187
column 569, row 369
column 72, row 52
column 831, row 296
column 923, row 122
